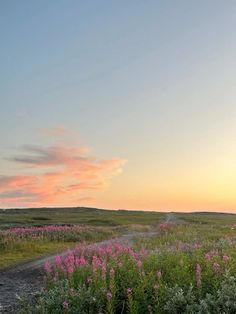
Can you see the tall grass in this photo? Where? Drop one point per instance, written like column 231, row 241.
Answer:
column 24, row 243
column 184, row 269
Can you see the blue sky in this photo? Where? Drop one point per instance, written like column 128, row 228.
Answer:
column 151, row 82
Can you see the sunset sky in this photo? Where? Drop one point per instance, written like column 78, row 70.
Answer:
column 118, row 104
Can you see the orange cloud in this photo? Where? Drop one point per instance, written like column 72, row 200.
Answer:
column 65, row 174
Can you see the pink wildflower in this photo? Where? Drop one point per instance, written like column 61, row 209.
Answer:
column 58, row 261
column 65, row 305
column 216, row 267
column 70, row 269
column 139, row 264
column 129, row 292
column 211, row 254
column 104, row 269
column 109, row 296
column 225, row 258
column 158, row 274
column 47, row 267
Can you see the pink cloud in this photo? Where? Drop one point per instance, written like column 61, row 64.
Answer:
column 14, row 182
column 65, row 174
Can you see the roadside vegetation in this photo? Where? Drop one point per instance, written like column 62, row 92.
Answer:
column 26, row 234
column 26, row 243
column 186, row 264
column 185, row 268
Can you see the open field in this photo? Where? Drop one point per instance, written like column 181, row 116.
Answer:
column 184, row 268
column 210, row 218
column 23, row 238
column 167, row 263
column 79, row 215
column 26, row 243
column 103, row 224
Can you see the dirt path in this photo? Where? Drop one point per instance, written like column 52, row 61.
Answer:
column 171, row 218
column 26, row 279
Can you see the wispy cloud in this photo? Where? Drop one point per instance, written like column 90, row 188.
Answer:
column 60, row 175
column 54, row 131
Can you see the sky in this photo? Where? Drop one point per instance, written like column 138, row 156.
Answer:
column 118, row 104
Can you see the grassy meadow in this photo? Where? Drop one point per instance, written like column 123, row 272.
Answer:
column 80, row 215
column 21, row 238
column 185, row 268
column 178, row 263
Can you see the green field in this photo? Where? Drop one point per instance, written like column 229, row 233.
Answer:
column 102, row 224
column 187, row 265
column 80, row 215
column 175, row 263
